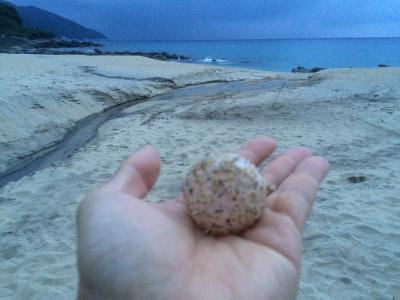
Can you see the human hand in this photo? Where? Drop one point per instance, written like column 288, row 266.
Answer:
column 132, row 249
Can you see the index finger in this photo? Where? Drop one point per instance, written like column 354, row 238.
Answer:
column 137, row 174
column 257, row 150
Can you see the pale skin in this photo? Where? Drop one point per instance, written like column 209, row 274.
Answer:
column 131, row 249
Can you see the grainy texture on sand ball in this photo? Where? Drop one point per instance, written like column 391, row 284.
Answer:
column 225, row 194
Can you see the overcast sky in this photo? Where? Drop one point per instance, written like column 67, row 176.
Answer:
column 230, row 19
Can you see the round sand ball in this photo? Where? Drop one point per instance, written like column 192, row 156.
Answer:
column 225, row 194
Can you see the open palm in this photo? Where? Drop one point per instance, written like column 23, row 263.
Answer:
column 132, row 249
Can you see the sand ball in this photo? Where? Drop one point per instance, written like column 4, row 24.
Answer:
column 225, row 194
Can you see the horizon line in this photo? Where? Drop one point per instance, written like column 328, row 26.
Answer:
column 251, row 39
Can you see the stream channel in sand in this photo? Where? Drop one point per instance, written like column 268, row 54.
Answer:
column 86, row 128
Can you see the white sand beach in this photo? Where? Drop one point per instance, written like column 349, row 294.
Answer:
column 350, row 116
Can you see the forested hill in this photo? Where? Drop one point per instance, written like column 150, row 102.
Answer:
column 34, row 17
column 11, row 25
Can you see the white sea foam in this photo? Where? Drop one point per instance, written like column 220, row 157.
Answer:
column 209, row 59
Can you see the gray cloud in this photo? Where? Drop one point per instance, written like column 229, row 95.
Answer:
column 218, row 19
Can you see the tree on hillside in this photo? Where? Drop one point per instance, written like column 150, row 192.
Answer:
column 10, row 13
column 11, row 25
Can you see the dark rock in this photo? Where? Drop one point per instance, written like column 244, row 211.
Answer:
column 55, row 43
column 356, row 179
column 14, row 41
column 55, row 47
column 346, row 280
column 300, row 69
column 24, row 45
column 155, row 55
column 383, row 66
column 317, row 69
column 97, row 51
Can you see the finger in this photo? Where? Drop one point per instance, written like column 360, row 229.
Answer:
column 281, row 167
column 258, row 149
column 137, row 174
column 295, row 196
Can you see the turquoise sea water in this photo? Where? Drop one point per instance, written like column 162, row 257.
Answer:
column 278, row 55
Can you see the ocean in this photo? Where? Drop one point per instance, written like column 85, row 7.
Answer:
column 279, row 54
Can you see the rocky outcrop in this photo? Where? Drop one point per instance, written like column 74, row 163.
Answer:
column 300, row 69
column 58, row 46
column 155, row 55
column 63, row 43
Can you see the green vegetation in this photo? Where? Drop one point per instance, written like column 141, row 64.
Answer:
column 11, row 25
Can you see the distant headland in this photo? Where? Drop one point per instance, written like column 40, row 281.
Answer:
column 28, row 29
column 34, row 22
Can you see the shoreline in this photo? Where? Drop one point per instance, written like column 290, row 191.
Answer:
column 58, row 46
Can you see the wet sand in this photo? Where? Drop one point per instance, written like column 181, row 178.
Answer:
column 351, row 116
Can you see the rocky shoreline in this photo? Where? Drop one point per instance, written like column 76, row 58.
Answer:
column 14, row 44
column 17, row 45
column 97, row 52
